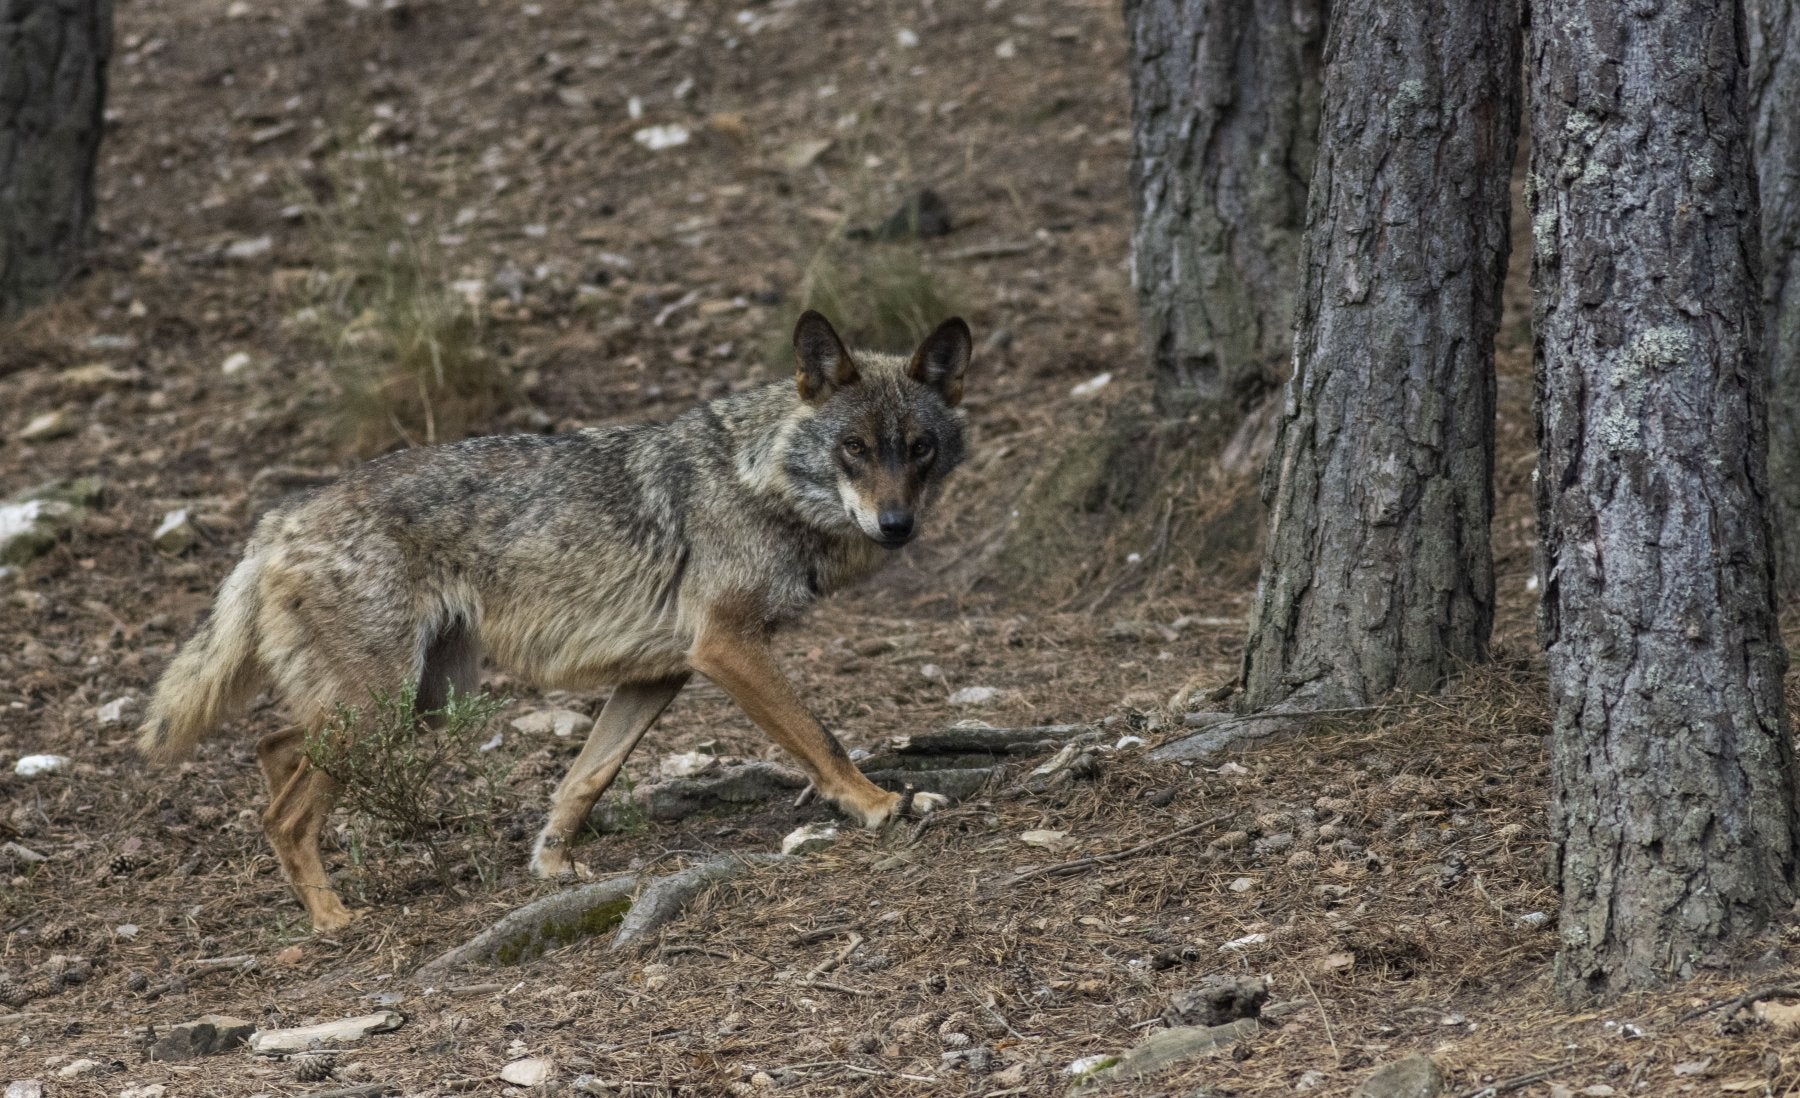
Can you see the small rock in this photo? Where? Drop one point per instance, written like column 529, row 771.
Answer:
column 974, row 695
column 148, row 1090
column 1088, row 388
column 251, row 248
column 25, row 1088
column 1126, row 742
column 20, row 855
column 234, row 363
column 526, row 1073
column 1242, row 884
column 208, row 1035
column 658, row 138
column 685, row 765
column 290, row 956
column 803, row 154
column 1218, row 1000
column 1413, row 1077
column 76, row 1068
column 873, row 646
column 116, row 711
column 1049, row 840
column 46, row 426
column 809, row 838
column 176, row 535
column 1245, row 942
column 29, row 529
column 561, row 723
column 1310, row 1080
column 33, row 766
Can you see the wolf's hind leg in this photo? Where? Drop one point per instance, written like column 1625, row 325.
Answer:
column 300, row 799
column 744, row 668
column 627, row 715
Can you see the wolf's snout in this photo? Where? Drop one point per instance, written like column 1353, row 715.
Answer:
column 896, row 525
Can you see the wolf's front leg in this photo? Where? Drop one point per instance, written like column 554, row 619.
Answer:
column 627, row 715
column 743, row 666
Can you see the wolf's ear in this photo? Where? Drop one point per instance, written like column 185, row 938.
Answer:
column 941, row 359
column 825, row 365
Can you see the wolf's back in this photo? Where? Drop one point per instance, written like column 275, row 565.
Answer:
column 214, row 676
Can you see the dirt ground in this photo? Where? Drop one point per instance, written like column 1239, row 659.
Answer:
column 1387, row 874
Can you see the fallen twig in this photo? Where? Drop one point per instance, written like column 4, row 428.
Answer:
column 998, row 250
column 1506, row 1086
column 242, row 962
column 856, row 941
column 828, row 985
column 1068, row 869
column 1776, row 991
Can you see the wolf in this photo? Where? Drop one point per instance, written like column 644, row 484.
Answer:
column 630, row 556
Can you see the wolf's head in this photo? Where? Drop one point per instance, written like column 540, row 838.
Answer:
column 884, row 431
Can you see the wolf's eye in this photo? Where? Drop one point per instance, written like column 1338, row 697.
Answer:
column 855, row 447
column 921, row 449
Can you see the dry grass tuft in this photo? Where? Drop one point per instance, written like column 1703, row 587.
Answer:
column 408, row 354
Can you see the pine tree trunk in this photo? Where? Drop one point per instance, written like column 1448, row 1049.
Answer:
column 1224, row 112
column 1672, row 770
column 53, row 56
column 1377, row 574
column 1775, row 99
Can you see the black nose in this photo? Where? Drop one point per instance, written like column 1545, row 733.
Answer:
column 896, row 525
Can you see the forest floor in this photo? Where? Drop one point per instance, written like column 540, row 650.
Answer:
column 1387, row 874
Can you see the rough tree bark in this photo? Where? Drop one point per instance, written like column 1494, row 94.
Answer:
column 1224, row 112
column 1377, row 574
column 1672, row 769
column 53, row 56
column 1775, row 99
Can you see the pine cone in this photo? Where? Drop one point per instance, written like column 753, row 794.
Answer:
column 60, row 934
column 207, row 815
column 123, row 865
column 12, row 992
column 315, row 1067
column 43, row 987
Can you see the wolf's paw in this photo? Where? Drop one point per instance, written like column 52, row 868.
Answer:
column 551, row 863
column 912, row 805
column 331, row 918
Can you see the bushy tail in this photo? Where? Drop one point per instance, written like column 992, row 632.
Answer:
column 213, row 677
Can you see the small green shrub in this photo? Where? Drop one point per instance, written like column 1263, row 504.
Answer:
column 409, row 777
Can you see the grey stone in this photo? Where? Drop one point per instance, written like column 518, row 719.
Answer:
column 207, row 1035
column 1218, row 1000
column 1414, row 1077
